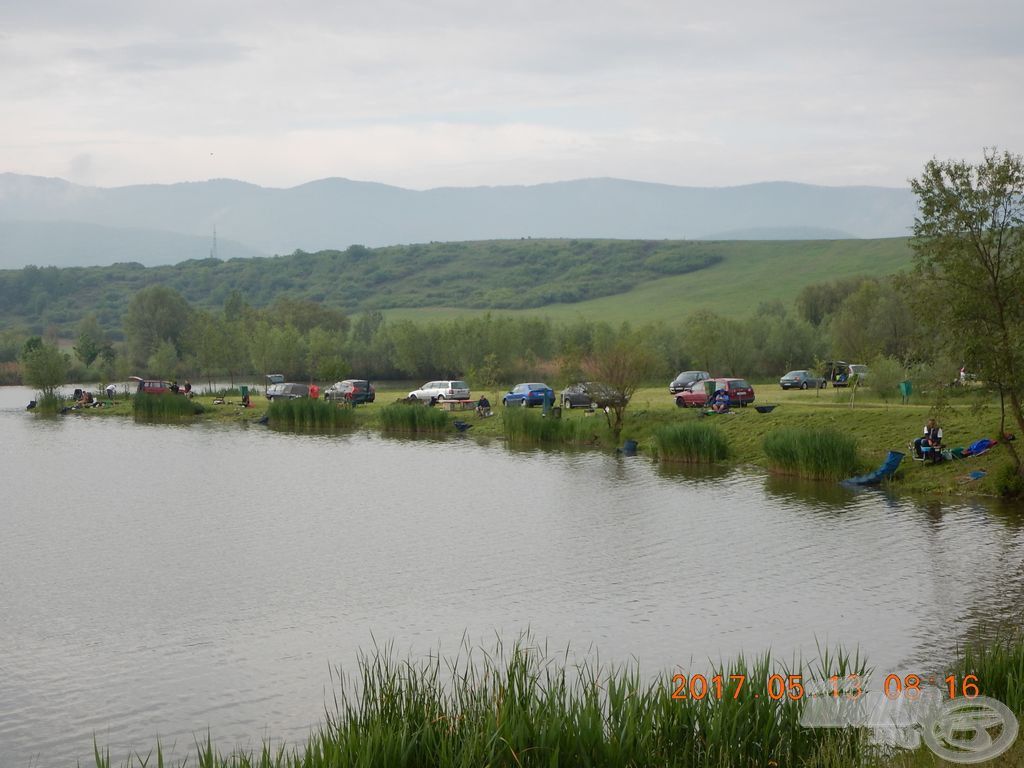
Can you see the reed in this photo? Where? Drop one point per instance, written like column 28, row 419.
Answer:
column 164, row 407
column 525, row 427
column 693, row 441
column 413, row 417
column 822, row 453
column 998, row 666
column 524, row 707
column 304, row 413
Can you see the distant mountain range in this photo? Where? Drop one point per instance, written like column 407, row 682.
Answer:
column 47, row 221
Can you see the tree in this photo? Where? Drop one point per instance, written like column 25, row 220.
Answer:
column 620, row 364
column 44, row 367
column 90, row 340
column 156, row 314
column 969, row 260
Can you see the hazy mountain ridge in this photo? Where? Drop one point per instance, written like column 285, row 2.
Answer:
column 335, row 213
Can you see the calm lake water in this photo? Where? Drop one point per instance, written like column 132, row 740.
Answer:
column 169, row 580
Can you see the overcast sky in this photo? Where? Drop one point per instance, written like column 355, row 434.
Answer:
column 430, row 93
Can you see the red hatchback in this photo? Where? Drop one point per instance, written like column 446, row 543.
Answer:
column 740, row 392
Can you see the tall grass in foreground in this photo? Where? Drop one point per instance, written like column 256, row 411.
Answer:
column 408, row 417
column 523, row 426
column 522, row 707
column 307, row 413
column 692, row 441
column 49, row 403
column 163, row 407
column 999, row 667
column 822, row 453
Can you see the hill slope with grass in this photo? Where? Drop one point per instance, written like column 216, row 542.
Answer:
column 605, row 279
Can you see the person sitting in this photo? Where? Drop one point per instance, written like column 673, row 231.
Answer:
column 720, row 401
column 85, row 399
column 483, row 407
column 929, row 445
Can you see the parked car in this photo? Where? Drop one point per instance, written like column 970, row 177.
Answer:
column 801, row 380
column 151, row 386
column 740, row 393
column 588, row 394
column 685, row 379
column 287, row 391
column 353, row 391
column 528, row 394
column 433, row 391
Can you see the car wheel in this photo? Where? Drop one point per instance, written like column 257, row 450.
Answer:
column 413, row 398
column 744, row 404
column 680, row 403
column 804, row 385
column 504, row 402
column 525, row 402
column 567, row 403
column 439, row 398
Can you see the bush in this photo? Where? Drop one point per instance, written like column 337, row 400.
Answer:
column 1009, row 482
column 823, row 454
column 695, row 441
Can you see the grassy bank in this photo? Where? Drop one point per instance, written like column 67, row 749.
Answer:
column 876, row 427
column 523, row 707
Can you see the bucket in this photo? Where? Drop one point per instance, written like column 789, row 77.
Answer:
column 629, row 447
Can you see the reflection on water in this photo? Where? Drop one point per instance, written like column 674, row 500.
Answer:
column 170, row 578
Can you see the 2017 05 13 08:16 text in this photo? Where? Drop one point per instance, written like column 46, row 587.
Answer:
column 779, row 687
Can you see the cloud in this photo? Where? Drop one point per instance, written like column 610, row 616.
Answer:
column 453, row 91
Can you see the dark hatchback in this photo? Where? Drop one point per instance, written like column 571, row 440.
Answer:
column 355, row 391
column 685, row 379
column 589, row 393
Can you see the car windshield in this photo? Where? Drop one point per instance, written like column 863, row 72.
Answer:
column 738, row 384
column 859, row 368
column 460, row 385
column 795, row 374
column 537, row 386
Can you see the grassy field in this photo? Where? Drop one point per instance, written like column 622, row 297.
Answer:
column 748, row 273
column 876, row 427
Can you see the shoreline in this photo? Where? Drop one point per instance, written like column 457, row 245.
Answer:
column 877, row 428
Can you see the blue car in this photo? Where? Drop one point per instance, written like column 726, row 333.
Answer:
column 528, row 394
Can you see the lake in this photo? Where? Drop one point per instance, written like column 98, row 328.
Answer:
column 168, row 580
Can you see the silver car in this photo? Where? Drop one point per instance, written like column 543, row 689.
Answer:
column 433, row 391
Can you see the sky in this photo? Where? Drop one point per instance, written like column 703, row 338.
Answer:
column 434, row 93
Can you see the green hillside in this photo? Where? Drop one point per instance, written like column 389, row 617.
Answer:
column 747, row 274
column 606, row 279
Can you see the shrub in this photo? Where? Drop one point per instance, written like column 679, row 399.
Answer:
column 694, row 441
column 1009, row 482
column 824, row 454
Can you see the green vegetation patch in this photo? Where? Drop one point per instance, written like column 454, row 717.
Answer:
column 824, row 454
column 412, row 417
column 692, row 442
column 164, row 407
column 525, row 427
column 305, row 413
